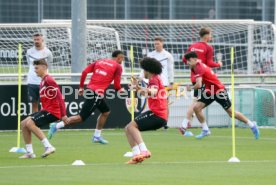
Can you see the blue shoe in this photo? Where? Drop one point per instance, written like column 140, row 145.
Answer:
column 188, row 133
column 255, row 131
column 52, row 130
column 203, row 134
column 99, row 140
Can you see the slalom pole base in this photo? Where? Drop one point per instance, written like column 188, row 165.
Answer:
column 234, row 160
column 17, row 150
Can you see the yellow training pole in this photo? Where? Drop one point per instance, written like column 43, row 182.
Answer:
column 17, row 149
column 234, row 158
column 19, row 93
column 132, row 73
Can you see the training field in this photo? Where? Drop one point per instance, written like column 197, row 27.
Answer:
column 175, row 160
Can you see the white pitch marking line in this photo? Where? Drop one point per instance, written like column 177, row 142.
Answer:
column 147, row 134
column 148, row 163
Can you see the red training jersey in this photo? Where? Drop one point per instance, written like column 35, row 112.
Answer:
column 209, row 78
column 51, row 97
column 104, row 72
column 204, row 53
column 158, row 104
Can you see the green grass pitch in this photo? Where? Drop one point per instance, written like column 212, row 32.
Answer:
column 175, row 160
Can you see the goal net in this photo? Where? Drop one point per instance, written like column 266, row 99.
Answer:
column 253, row 42
column 101, row 42
column 254, row 48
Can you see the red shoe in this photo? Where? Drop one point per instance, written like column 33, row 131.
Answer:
column 182, row 130
column 136, row 159
column 146, row 154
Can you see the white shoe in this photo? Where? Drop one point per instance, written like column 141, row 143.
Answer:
column 48, row 151
column 203, row 134
column 27, row 156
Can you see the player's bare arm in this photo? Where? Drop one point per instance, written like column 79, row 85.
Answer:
column 142, row 90
column 81, row 90
column 198, row 84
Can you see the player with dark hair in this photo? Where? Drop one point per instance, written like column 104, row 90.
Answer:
column 53, row 109
column 104, row 72
column 205, row 53
column 157, row 115
column 214, row 91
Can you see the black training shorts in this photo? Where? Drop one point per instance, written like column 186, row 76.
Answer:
column 149, row 121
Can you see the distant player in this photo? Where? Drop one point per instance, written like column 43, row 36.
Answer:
column 214, row 91
column 157, row 115
column 104, row 72
column 205, row 54
column 167, row 61
column 38, row 51
column 53, row 109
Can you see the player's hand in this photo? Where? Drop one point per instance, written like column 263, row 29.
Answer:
column 134, row 81
column 220, row 63
column 81, row 90
column 132, row 87
column 189, row 88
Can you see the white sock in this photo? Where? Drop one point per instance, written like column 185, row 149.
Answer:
column 60, row 125
column 136, row 150
column 29, row 148
column 97, row 133
column 205, row 126
column 185, row 123
column 46, row 143
column 250, row 124
column 143, row 147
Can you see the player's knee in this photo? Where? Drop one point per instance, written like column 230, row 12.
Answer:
column 29, row 123
column 106, row 114
column 229, row 112
column 23, row 122
column 129, row 126
column 196, row 108
column 79, row 119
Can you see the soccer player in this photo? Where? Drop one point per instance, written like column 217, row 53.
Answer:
column 205, row 53
column 214, row 91
column 104, row 72
column 166, row 59
column 157, row 115
column 38, row 51
column 53, row 109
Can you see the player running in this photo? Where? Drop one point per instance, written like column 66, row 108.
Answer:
column 205, row 53
column 53, row 109
column 214, row 91
column 157, row 115
column 104, row 72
